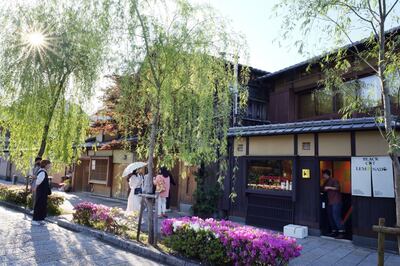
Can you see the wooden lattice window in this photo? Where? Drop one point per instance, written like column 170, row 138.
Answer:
column 100, row 170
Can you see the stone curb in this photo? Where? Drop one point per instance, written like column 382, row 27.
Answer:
column 136, row 248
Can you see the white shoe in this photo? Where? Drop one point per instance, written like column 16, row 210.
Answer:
column 35, row 223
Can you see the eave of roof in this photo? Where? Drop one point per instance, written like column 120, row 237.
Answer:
column 317, row 58
column 91, row 144
column 334, row 125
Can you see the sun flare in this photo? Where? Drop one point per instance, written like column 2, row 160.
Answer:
column 36, row 42
column 36, row 38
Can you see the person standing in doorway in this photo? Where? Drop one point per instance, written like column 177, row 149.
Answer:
column 162, row 183
column 332, row 188
column 35, row 171
column 43, row 190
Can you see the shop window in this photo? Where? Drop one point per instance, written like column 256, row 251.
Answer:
column 270, row 174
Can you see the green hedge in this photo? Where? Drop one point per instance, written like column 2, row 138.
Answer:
column 19, row 196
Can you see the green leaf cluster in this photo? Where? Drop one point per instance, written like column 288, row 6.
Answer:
column 178, row 73
column 44, row 88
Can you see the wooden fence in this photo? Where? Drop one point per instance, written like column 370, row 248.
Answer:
column 381, row 229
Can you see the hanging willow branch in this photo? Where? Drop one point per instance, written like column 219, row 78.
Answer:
column 50, row 56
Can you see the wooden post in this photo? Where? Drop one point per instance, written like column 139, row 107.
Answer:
column 156, row 217
column 150, row 220
column 26, row 191
column 140, row 219
column 381, row 243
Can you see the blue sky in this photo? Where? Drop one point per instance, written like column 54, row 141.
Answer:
column 253, row 19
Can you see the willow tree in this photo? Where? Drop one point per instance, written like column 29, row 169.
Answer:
column 50, row 56
column 177, row 83
column 339, row 20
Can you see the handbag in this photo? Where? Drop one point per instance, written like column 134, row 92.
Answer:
column 160, row 187
column 137, row 191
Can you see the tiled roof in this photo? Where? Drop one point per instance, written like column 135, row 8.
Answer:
column 318, row 58
column 91, row 143
column 309, row 127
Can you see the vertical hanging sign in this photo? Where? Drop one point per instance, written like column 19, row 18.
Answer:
column 372, row 176
column 360, row 177
column 382, row 177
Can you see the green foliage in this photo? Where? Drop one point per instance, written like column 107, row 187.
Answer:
column 206, row 196
column 100, row 217
column 44, row 87
column 13, row 194
column 177, row 82
column 201, row 245
column 19, row 196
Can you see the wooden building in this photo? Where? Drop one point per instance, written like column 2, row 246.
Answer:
column 280, row 164
column 100, row 168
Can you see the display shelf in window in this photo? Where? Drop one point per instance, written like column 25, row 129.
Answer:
column 270, row 175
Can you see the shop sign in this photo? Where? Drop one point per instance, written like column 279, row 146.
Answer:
column 305, row 173
column 372, row 175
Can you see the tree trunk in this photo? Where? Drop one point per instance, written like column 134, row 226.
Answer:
column 388, row 119
column 46, row 128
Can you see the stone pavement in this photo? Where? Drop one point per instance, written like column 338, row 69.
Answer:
column 323, row 251
column 316, row 250
column 23, row 244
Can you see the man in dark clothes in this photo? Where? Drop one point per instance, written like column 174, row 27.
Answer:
column 43, row 190
column 35, row 171
column 332, row 188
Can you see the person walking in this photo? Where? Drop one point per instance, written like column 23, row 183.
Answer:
column 162, row 183
column 135, row 180
column 332, row 188
column 43, row 190
column 35, row 170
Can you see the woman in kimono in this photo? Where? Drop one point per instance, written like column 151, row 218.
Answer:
column 135, row 180
column 43, row 190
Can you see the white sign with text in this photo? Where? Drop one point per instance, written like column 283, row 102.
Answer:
column 382, row 177
column 360, row 177
column 379, row 169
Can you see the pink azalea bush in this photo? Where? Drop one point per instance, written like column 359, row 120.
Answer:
column 242, row 245
column 101, row 217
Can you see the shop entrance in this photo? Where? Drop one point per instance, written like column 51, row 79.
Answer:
column 340, row 170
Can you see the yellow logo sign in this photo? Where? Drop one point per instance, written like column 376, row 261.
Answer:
column 306, row 173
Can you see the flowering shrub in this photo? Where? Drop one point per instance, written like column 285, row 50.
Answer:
column 113, row 220
column 240, row 245
column 19, row 196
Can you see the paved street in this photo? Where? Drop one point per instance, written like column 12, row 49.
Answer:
column 23, row 244
column 321, row 251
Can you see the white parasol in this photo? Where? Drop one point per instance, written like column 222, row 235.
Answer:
column 132, row 167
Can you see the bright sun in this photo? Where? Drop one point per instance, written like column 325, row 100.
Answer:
column 36, row 39
column 36, row 42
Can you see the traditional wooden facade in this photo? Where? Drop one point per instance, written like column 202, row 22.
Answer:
column 279, row 165
column 100, row 167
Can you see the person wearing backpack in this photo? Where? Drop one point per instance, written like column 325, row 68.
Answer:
column 162, row 183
